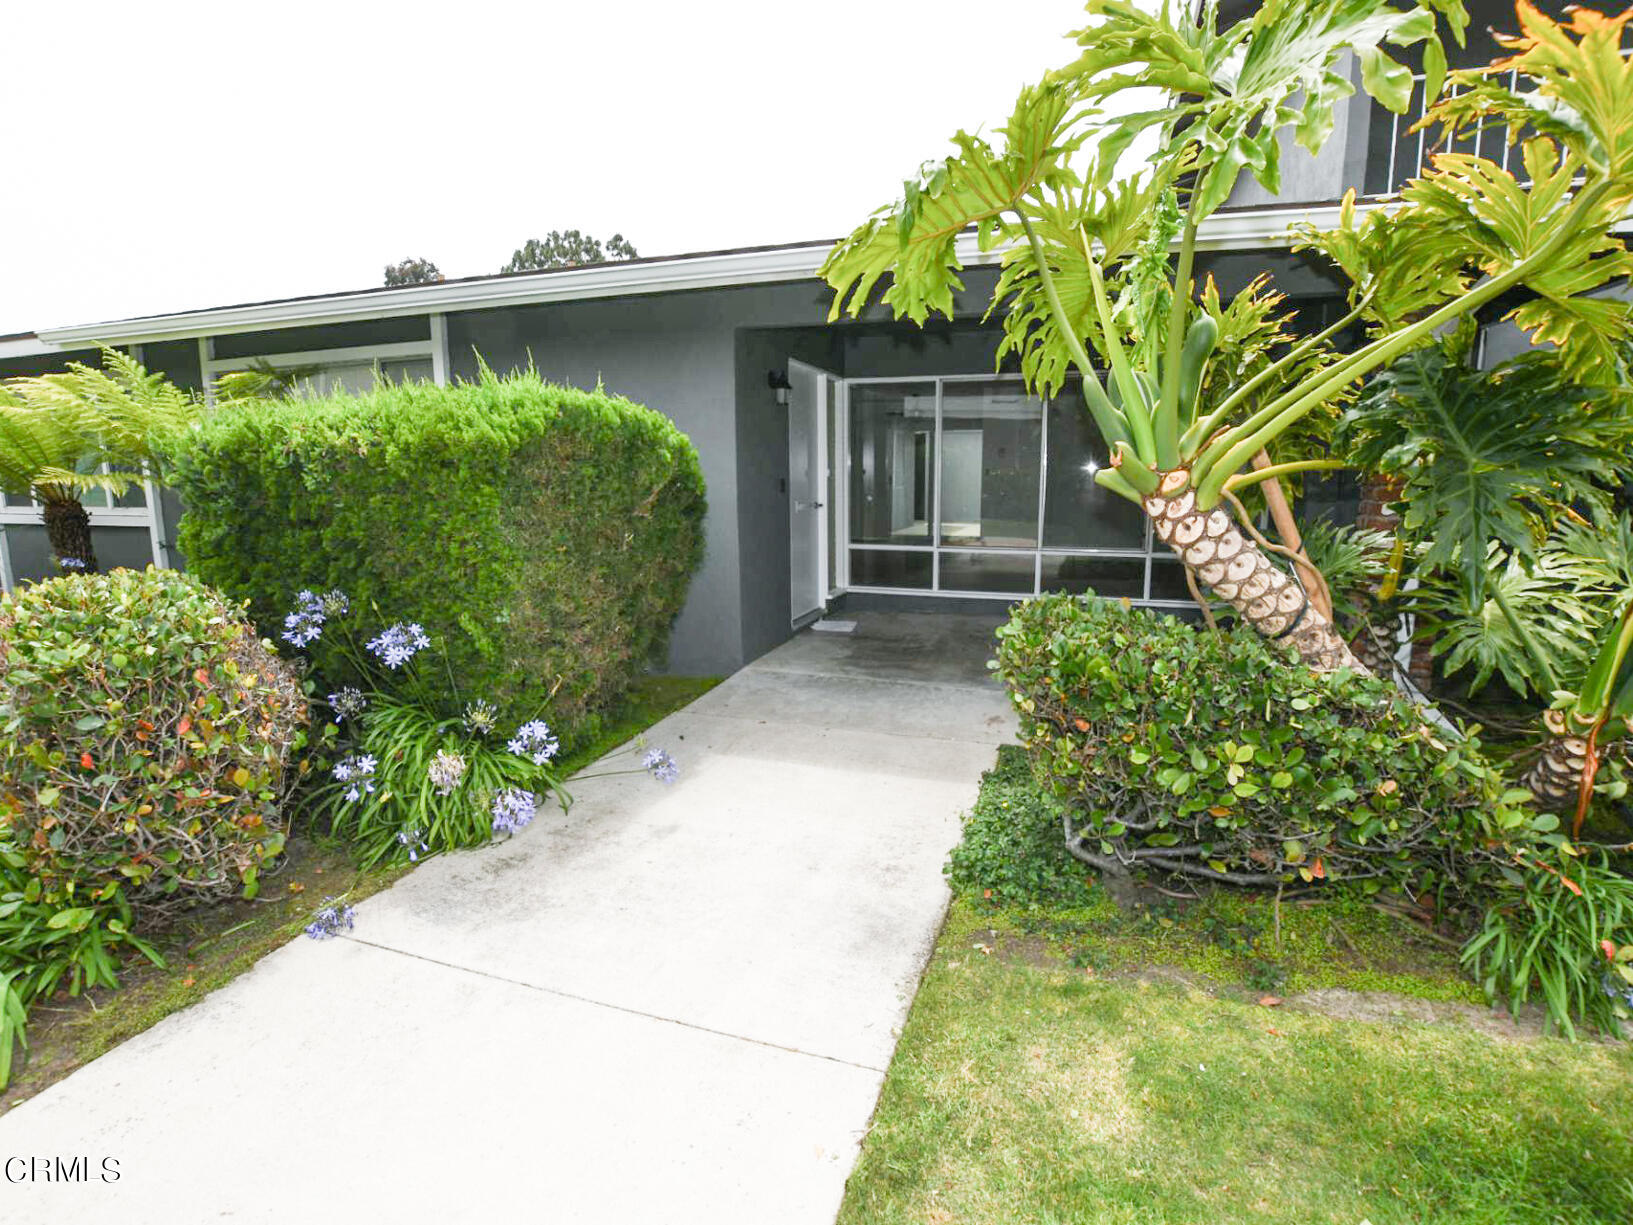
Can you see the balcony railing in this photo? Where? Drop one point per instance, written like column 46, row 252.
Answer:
column 1396, row 154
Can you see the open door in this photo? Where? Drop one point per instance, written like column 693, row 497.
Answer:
column 811, row 393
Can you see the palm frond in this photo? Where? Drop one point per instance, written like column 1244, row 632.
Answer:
column 57, row 430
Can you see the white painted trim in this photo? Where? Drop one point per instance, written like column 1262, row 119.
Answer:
column 206, row 350
column 155, row 526
column 101, row 516
column 439, row 348
column 8, row 581
column 25, row 346
column 1248, row 230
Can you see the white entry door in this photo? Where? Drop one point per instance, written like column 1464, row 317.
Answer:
column 808, row 512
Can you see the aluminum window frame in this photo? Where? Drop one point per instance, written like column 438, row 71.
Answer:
column 1150, row 553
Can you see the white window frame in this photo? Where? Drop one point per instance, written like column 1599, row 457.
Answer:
column 433, row 349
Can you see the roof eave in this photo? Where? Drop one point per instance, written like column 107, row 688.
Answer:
column 1247, row 230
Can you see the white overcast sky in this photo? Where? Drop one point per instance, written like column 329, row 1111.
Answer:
column 168, row 156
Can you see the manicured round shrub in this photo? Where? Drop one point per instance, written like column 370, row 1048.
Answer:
column 1212, row 755
column 145, row 738
column 544, row 536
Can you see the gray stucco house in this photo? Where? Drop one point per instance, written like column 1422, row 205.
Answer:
column 847, row 463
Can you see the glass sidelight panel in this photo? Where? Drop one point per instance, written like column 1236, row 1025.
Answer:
column 991, row 453
column 892, row 462
column 1119, row 577
column 1077, row 513
column 1168, row 577
column 889, row 568
column 988, row 570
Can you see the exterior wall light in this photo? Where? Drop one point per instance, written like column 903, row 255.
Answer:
column 777, row 380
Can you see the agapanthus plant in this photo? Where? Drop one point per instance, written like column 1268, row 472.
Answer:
column 408, row 778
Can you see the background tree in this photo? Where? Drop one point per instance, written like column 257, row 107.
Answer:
column 57, row 430
column 567, row 249
column 413, row 272
column 1086, row 262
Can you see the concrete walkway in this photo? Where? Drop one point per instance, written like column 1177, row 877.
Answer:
column 670, row 1005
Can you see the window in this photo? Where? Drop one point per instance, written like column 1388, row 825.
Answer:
column 320, row 372
column 968, row 486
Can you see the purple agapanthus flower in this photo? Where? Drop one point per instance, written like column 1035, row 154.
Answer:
column 397, row 645
column 414, row 841
column 305, row 625
column 534, row 740
column 359, row 772
column 347, row 703
column 660, row 765
column 512, row 809
column 330, row 919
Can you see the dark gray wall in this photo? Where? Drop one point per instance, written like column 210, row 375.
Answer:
column 1308, row 178
column 687, row 356
column 177, row 360
column 762, row 473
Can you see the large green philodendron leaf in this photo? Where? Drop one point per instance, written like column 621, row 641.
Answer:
column 1399, row 264
column 1473, row 203
column 1115, row 221
column 1469, row 215
column 1235, row 89
column 915, row 238
column 1487, row 456
column 1558, row 597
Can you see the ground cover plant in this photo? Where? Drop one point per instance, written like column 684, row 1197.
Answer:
column 544, row 536
column 1169, row 749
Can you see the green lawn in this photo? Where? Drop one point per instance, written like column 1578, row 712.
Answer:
column 1027, row 1089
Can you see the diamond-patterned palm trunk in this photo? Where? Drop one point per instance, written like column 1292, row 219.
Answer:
column 1236, row 570
column 1556, row 778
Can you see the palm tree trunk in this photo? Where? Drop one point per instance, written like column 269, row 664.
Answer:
column 68, row 528
column 1555, row 780
column 1236, row 570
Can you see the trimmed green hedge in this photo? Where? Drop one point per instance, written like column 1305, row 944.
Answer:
column 547, row 535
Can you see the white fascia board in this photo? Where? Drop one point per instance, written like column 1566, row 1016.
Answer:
column 566, row 285
column 1259, row 229
column 26, row 346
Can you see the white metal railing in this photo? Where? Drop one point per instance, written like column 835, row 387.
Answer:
column 1491, row 143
